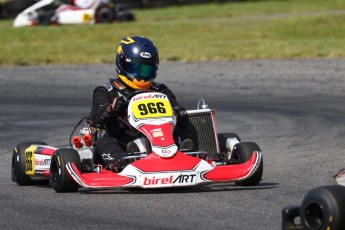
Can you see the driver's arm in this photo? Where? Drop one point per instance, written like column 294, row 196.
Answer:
column 104, row 109
column 101, row 101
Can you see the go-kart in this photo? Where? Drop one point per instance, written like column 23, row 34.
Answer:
column 55, row 12
column 154, row 159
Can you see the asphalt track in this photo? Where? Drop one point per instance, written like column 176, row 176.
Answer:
column 294, row 110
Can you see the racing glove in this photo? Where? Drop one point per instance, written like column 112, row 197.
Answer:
column 181, row 116
column 119, row 104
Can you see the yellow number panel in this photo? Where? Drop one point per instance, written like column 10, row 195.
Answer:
column 153, row 108
column 30, row 160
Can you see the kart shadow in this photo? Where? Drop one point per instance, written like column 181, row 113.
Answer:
column 197, row 189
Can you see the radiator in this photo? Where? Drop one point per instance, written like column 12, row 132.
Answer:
column 201, row 129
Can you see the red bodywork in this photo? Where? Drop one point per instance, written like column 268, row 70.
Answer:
column 162, row 172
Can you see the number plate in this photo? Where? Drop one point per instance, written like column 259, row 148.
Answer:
column 153, row 108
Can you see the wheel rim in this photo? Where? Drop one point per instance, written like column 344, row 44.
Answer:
column 314, row 215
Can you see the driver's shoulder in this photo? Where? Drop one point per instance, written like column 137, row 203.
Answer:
column 106, row 88
column 109, row 87
column 112, row 86
column 158, row 86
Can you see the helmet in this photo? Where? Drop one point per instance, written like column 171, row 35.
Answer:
column 137, row 62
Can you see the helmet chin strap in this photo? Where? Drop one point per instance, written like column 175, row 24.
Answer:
column 135, row 84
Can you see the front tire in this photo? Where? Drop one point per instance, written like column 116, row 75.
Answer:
column 60, row 179
column 242, row 153
column 324, row 208
column 18, row 163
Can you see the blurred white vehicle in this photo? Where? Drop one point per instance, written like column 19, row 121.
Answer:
column 47, row 12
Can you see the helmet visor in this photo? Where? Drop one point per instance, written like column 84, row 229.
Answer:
column 140, row 71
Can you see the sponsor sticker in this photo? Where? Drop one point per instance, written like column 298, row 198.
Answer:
column 42, row 162
column 168, row 180
column 145, row 55
column 157, row 132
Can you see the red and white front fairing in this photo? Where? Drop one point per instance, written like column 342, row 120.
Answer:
column 154, row 171
column 152, row 114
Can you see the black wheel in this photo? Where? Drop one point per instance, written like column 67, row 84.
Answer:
column 128, row 16
column 242, row 154
column 324, row 208
column 132, row 147
column 18, row 163
column 44, row 18
column 148, row 146
column 59, row 177
column 105, row 15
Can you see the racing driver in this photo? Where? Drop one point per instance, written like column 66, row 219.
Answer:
column 136, row 67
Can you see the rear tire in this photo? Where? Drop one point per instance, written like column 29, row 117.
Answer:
column 44, row 18
column 105, row 15
column 132, row 148
column 242, row 153
column 323, row 208
column 18, row 164
column 60, row 179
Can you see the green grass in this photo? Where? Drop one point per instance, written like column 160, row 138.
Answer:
column 212, row 32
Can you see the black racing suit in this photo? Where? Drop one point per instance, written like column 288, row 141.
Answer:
column 111, row 147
